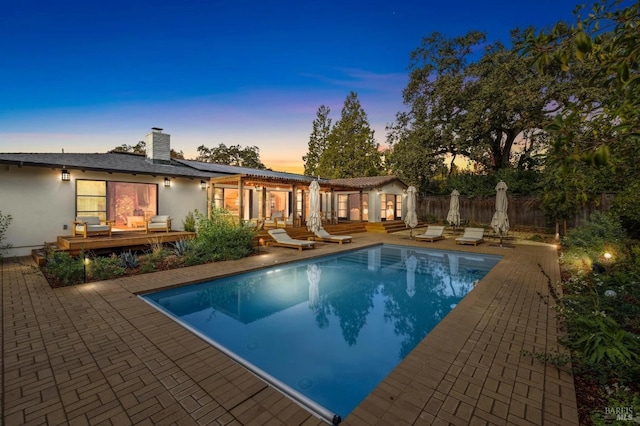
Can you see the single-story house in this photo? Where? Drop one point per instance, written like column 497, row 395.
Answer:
column 45, row 192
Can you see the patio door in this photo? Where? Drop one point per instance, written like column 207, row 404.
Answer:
column 390, row 207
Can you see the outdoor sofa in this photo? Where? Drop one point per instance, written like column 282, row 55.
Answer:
column 90, row 225
column 158, row 223
column 273, row 220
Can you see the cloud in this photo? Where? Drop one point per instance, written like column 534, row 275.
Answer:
column 359, row 79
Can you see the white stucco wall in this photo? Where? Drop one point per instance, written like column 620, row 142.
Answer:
column 393, row 188
column 41, row 204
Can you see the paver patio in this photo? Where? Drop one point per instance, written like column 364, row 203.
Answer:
column 95, row 354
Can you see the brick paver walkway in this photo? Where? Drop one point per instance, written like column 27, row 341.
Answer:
column 96, row 354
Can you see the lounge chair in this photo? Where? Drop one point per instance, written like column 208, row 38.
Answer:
column 90, row 225
column 433, row 233
column 283, row 223
column 473, row 236
column 273, row 220
column 159, row 223
column 323, row 235
column 282, row 239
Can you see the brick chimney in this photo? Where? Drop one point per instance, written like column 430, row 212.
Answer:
column 158, row 147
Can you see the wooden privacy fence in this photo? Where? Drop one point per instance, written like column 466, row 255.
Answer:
column 523, row 211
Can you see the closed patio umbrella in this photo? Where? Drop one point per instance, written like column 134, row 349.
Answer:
column 453, row 217
column 315, row 221
column 411, row 218
column 500, row 221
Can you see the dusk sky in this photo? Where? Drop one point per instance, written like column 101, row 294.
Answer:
column 87, row 76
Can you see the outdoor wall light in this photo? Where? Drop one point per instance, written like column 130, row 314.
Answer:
column 66, row 176
column 203, row 184
column 85, row 263
column 607, row 255
column 167, row 183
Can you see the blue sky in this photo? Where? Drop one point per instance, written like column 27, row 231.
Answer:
column 87, row 76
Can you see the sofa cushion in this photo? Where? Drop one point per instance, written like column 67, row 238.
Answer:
column 94, row 228
column 89, row 220
column 157, row 225
column 160, row 219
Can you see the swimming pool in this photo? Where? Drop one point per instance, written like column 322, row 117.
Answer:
column 326, row 331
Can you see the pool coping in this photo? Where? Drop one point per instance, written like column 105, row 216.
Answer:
column 97, row 353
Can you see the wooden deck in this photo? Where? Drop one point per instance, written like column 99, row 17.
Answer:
column 119, row 240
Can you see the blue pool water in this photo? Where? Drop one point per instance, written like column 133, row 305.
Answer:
column 328, row 330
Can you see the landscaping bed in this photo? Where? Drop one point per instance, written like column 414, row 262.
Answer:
column 217, row 239
column 600, row 312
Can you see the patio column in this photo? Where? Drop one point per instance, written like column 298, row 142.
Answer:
column 240, row 200
column 264, row 203
column 294, row 201
column 334, row 218
column 361, row 206
column 210, row 201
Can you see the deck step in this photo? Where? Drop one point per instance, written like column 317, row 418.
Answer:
column 389, row 227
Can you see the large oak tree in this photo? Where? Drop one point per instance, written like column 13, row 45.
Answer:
column 482, row 103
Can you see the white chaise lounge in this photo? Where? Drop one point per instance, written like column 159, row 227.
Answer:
column 282, row 239
column 323, row 235
column 473, row 236
column 433, row 233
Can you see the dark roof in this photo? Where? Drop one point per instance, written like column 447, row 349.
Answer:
column 225, row 169
column 109, row 162
column 138, row 164
column 365, row 182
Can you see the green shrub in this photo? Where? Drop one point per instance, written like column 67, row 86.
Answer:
column 105, row 268
column 598, row 337
column 601, row 229
column 189, row 222
column 626, row 205
column 146, row 266
column 157, row 252
column 5, row 221
column 588, row 243
column 219, row 239
column 62, row 269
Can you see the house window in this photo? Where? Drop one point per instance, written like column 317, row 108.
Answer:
column 343, row 206
column 91, row 198
column 231, row 202
column 128, row 204
column 218, row 198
